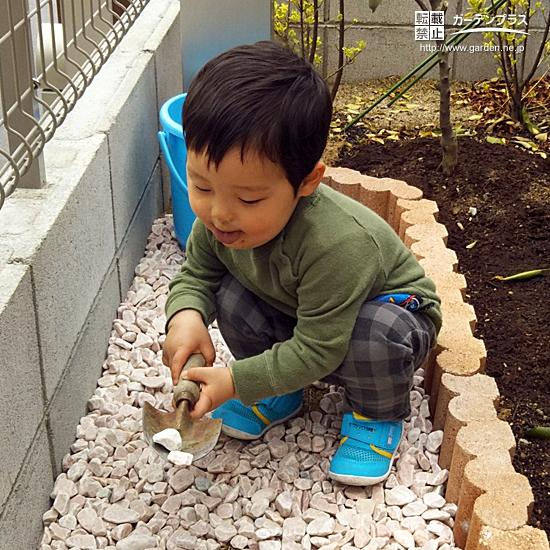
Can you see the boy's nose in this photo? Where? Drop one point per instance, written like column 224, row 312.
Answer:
column 221, row 215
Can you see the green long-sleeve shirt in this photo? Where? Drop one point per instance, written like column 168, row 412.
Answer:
column 332, row 256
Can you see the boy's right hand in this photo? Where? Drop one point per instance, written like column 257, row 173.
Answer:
column 187, row 334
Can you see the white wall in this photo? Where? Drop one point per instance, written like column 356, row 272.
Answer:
column 210, row 27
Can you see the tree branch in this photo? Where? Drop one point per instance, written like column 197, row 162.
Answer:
column 422, row 6
column 315, row 31
column 341, row 44
column 302, row 29
column 539, row 53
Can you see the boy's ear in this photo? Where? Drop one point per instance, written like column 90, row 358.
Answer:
column 312, row 180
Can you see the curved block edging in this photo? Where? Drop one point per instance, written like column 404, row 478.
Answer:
column 494, row 502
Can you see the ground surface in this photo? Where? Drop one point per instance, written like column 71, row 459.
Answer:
column 499, row 199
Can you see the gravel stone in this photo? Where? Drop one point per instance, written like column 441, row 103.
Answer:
column 415, row 508
column 433, row 441
column 399, row 496
column 118, row 514
column 404, row 538
column 170, row 438
column 433, row 500
column 321, row 527
column 81, row 542
column 181, row 480
column 224, row 463
column 267, row 493
column 225, row 532
column 136, row 542
column 239, row 542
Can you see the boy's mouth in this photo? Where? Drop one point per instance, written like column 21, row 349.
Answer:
column 226, row 237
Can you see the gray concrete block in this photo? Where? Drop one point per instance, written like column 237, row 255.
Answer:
column 21, row 521
column 388, row 13
column 166, row 42
column 472, row 65
column 538, row 19
column 133, row 143
column 29, row 214
column 381, row 44
column 133, row 245
column 100, row 102
column 477, row 63
column 20, row 218
column 396, row 20
column 21, row 388
column 74, row 256
column 108, row 91
column 85, row 367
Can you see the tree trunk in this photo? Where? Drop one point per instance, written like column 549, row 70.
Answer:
column 449, row 143
column 516, row 106
column 341, row 59
column 315, row 31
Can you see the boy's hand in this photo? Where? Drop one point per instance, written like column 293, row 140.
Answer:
column 217, row 387
column 187, row 334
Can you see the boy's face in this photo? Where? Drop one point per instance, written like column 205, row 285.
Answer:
column 245, row 203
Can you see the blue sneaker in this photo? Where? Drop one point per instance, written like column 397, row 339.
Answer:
column 252, row 422
column 367, row 450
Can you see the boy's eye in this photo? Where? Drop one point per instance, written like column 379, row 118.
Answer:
column 201, row 189
column 251, row 202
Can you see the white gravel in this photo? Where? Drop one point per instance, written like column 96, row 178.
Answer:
column 269, row 494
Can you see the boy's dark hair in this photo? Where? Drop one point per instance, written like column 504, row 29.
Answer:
column 260, row 97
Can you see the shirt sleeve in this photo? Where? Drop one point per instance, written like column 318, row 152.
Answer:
column 197, row 282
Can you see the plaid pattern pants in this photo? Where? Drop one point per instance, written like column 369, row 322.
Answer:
column 387, row 345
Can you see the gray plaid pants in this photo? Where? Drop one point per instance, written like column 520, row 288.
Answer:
column 387, row 345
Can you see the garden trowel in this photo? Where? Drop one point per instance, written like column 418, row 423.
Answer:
column 198, row 436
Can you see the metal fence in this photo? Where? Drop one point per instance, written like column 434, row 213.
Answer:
column 50, row 50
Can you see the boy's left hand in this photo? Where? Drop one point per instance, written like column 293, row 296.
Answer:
column 217, row 387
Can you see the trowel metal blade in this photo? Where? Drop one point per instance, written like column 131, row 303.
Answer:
column 199, row 437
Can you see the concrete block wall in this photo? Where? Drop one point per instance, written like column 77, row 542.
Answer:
column 390, row 45
column 67, row 257
column 494, row 501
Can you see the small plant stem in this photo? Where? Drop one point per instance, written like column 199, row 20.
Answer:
column 315, row 31
column 301, row 6
column 341, row 44
column 422, row 74
column 539, row 53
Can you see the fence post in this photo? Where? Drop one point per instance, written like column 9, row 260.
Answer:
column 16, row 86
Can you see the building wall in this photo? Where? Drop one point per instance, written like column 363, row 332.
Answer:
column 210, row 27
column 391, row 48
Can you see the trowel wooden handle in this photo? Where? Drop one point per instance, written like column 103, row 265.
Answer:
column 188, row 389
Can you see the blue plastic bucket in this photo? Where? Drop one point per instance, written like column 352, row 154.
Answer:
column 174, row 150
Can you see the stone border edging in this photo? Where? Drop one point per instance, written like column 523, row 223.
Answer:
column 494, row 502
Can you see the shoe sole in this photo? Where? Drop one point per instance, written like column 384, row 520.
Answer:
column 363, row 481
column 237, row 434
column 358, row 481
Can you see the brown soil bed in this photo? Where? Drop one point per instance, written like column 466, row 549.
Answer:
column 510, row 226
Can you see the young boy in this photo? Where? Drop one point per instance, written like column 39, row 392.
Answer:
column 304, row 282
